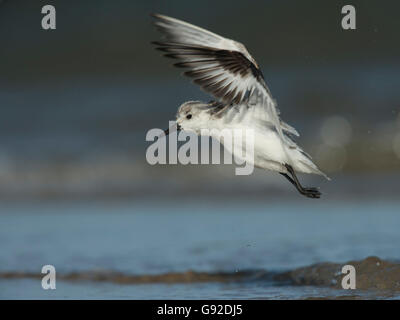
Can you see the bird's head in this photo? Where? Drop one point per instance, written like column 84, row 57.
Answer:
column 192, row 116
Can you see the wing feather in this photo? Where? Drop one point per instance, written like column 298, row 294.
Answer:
column 221, row 67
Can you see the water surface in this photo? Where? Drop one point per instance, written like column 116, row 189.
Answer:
column 143, row 239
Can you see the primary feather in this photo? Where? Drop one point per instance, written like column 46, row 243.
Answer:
column 222, row 67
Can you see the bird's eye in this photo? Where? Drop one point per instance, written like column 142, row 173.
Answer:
column 189, row 116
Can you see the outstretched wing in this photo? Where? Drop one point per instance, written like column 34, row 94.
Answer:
column 222, row 67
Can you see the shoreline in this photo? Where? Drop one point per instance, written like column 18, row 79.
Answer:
column 372, row 273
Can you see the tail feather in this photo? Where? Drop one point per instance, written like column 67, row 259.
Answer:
column 304, row 163
column 312, row 168
column 288, row 128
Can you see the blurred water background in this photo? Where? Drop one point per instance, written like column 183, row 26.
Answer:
column 76, row 104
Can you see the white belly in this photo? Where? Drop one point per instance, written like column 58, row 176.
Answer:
column 262, row 149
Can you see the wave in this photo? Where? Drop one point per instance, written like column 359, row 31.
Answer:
column 372, row 273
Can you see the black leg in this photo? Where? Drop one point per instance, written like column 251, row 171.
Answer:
column 289, row 178
column 308, row 192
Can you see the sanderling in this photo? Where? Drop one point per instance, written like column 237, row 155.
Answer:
column 225, row 69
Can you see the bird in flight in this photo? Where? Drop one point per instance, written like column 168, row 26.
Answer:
column 225, row 69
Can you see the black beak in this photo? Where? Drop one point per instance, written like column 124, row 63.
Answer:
column 178, row 128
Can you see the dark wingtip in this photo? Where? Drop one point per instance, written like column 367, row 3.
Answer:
column 157, row 16
column 154, row 15
column 159, row 43
column 179, row 65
